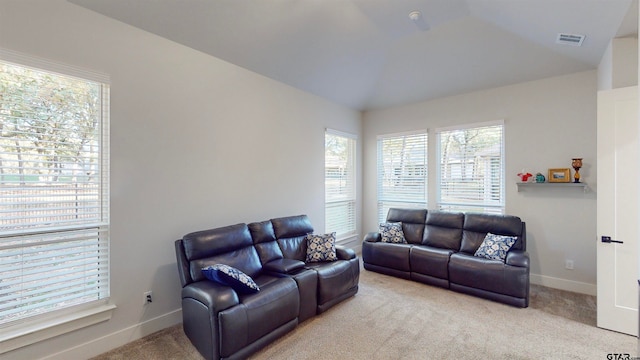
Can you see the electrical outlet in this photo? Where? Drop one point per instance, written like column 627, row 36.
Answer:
column 568, row 264
column 148, row 297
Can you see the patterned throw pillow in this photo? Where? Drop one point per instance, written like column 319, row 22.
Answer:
column 392, row 233
column 321, row 247
column 230, row 276
column 495, row 247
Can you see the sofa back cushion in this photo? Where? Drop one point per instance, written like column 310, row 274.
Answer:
column 291, row 232
column 412, row 222
column 476, row 227
column 230, row 245
column 264, row 239
column 443, row 230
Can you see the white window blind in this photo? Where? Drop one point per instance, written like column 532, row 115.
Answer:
column 471, row 168
column 402, row 172
column 54, row 190
column 340, row 183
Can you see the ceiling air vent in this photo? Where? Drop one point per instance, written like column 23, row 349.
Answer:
column 570, row 39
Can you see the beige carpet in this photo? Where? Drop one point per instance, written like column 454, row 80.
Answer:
column 392, row 318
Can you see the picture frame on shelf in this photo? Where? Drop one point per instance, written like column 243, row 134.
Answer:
column 559, row 175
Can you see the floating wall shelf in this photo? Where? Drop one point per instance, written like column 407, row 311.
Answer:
column 522, row 185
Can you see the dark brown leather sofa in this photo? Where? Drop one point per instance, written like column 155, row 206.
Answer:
column 225, row 324
column 440, row 251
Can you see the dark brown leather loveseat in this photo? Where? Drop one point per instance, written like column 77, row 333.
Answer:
column 440, row 251
column 223, row 323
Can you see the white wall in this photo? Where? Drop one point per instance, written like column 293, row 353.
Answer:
column 196, row 143
column 619, row 64
column 547, row 122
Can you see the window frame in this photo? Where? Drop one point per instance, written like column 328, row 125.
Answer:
column 350, row 195
column 482, row 206
column 29, row 330
column 388, row 199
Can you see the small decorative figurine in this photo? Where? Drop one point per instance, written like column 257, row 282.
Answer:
column 540, row 178
column 576, row 163
column 524, row 176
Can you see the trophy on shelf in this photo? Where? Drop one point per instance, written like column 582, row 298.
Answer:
column 576, row 163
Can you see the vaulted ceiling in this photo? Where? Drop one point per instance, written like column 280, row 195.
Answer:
column 368, row 54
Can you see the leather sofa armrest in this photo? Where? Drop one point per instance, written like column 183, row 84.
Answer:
column 215, row 297
column 373, row 237
column 345, row 253
column 183, row 264
column 283, row 266
column 517, row 258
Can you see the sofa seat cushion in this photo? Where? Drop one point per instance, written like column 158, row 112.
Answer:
column 258, row 314
column 335, row 278
column 490, row 275
column 393, row 256
column 430, row 261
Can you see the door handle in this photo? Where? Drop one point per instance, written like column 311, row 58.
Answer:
column 607, row 239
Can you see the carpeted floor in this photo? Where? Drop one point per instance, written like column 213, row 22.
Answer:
column 392, row 318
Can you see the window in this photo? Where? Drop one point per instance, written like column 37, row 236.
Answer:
column 471, row 168
column 402, row 172
column 54, row 189
column 340, row 183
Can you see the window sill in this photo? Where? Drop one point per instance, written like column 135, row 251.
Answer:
column 347, row 239
column 23, row 334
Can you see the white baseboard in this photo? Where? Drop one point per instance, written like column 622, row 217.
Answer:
column 563, row 284
column 121, row 337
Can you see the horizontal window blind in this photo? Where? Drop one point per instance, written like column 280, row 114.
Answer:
column 340, row 184
column 402, row 172
column 471, row 169
column 54, row 193
column 52, row 271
